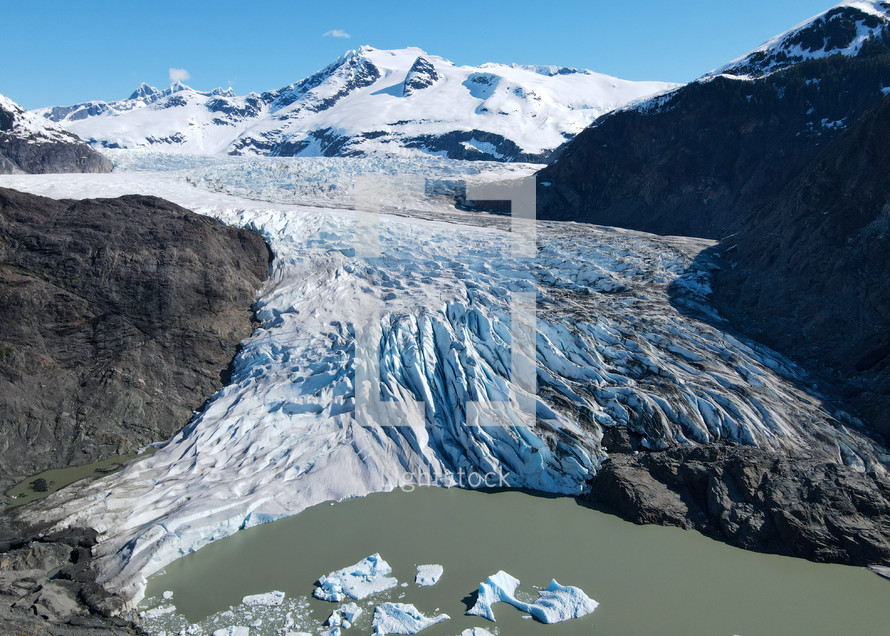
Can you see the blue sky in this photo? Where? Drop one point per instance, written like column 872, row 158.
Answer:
column 67, row 52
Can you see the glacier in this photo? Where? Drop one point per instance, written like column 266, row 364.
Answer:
column 611, row 346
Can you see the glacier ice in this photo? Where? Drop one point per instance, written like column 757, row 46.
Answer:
column 611, row 348
column 367, row 577
column 555, row 603
column 402, row 618
column 427, row 575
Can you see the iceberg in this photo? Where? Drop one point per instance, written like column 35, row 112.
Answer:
column 402, row 618
column 269, row 599
column 556, row 603
column 344, row 616
column 497, row 587
column 359, row 581
column 476, row 631
column 428, row 575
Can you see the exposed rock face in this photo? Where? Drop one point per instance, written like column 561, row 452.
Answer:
column 29, row 143
column 805, row 506
column 421, row 75
column 118, row 318
column 810, row 273
column 700, row 160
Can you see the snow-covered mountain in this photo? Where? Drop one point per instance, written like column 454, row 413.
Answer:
column 368, row 101
column 29, row 143
column 842, row 30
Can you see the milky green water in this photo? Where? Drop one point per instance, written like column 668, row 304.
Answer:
column 58, row 478
column 647, row 579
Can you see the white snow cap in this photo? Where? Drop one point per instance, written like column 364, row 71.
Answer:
column 784, row 49
column 361, row 104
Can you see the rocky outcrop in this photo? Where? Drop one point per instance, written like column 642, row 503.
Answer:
column 808, row 275
column 31, row 144
column 119, row 319
column 47, row 586
column 807, row 506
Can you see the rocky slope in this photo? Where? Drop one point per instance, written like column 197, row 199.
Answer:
column 699, row 160
column 808, row 275
column 119, row 318
column 796, row 503
column 29, row 143
column 367, row 102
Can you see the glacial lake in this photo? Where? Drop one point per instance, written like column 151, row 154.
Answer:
column 647, row 579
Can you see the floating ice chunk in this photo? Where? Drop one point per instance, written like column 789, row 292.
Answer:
column 332, row 632
column 359, row 581
column 428, row 574
column 402, row 618
column 476, row 631
column 157, row 612
column 497, row 587
column 167, row 595
column 236, row 630
column 269, row 599
column 556, row 603
column 344, row 617
column 334, row 620
column 348, row 614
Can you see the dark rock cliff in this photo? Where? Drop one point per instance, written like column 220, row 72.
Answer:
column 118, row 318
column 809, row 274
column 699, row 161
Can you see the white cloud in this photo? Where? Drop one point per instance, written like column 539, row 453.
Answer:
column 337, row 33
column 179, row 75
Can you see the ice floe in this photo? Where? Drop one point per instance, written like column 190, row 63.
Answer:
column 427, row 575
column 367, row 577
column 267, row 599
column 402, row 618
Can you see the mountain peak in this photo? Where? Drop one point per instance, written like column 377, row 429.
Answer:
column 842, row 30
column 144, row 90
